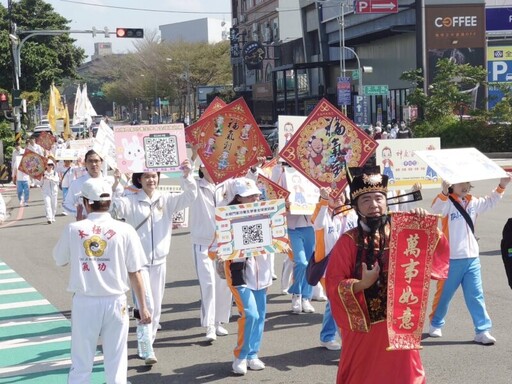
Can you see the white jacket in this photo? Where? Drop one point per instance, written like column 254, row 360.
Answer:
column 155, row 233
column 50, row 183
column 463, row 243
column 257, row 272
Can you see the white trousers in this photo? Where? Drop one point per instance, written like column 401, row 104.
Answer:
column 216, row 297
column 50, row 206
column 92, row 316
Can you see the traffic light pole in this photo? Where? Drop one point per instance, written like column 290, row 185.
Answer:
column 17, row 44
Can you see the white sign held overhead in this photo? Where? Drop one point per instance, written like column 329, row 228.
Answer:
column 461, row 165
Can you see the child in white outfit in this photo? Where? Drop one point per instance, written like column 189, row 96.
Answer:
column 50, row 188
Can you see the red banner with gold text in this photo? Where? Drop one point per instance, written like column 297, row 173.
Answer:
column 411, row 252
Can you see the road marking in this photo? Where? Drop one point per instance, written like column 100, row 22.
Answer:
column 35, row 338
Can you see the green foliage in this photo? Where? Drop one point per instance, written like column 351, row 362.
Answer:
column 444, row 94
column 7, row 137
column 43, row 58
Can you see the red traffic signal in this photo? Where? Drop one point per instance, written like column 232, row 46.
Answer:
column 136, row 33
column 4, row 102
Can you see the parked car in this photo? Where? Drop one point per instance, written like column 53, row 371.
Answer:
column 79, row 130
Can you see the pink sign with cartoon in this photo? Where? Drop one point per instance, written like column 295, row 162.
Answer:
column 150, row 148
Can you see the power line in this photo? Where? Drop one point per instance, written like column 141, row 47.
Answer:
column 143, row 9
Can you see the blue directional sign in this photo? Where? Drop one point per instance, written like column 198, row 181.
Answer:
column 361, row 116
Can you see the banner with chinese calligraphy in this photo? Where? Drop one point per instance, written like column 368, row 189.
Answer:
column 325, row 145
column 250, row 230
column 411, row 251
column 46, row 140
column 150, row 148
column 398, row 161
column 287, row 126
column 179, row 218
column 81, row 147
column 304, row 194
column 460, row 165
column 33, row 164
column 270, row 190
column 230, row 141
column 192, row 132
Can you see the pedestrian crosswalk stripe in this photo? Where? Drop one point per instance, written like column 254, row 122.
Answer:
column 30, row 304
column 31, row 320
column 17, row 291
column 35, row 338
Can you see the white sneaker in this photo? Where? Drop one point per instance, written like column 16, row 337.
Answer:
column 296, row 304
column 307, row 307
column 485, row 338
column 255, row 364
column 151, row 360
column 211, row 334
column 331, row 345
column 320, row 298
column 240, row 366
column 220, row 330
column 435, row 332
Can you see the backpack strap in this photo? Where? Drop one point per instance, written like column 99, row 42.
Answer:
column 464, row 213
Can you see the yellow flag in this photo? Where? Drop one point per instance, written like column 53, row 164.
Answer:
column 52, row 112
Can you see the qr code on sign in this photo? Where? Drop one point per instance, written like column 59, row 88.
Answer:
column 161, row 150
column 252, row 234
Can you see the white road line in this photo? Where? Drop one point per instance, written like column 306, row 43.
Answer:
column 23, row 304
column 17, row 291
column 32, row 320
column 28, row 369
column 27, row 342
column 14, row 280
column 6, row 271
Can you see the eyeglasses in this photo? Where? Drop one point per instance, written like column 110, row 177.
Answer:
column 93, row 161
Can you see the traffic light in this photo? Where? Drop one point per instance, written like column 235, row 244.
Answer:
column 16, row 98
column 136, row 33
column 4, row 102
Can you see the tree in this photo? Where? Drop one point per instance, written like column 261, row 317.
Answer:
column 444, row 96
column 44, row 59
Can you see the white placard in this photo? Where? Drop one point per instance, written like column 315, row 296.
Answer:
column 462, row 164
column 397, row 160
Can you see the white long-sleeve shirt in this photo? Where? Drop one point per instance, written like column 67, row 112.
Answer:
column 463, row 243
column 3, row 210
column 155, row 233
column 50, row 183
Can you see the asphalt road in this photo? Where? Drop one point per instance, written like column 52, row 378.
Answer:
column 290, row 346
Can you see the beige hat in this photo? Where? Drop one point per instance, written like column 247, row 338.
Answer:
column 97, row 189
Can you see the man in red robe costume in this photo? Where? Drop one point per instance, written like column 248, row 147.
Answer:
column 357, row 279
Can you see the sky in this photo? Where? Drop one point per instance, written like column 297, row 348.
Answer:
column 147, row 14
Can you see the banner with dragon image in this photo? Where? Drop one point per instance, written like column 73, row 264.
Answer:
column 325, row 145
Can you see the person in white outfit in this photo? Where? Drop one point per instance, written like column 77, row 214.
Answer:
column 3, row 210
column 248, row 280
column 104, row 256
column 216, row 298
column 67, row 174
column 72, row 204
column 150, row 212
column 50, row 189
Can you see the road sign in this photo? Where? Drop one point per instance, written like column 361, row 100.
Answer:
column 375, row 90
column 376, row 6
column 344, row 91
column 361, row 116
column 355, row 74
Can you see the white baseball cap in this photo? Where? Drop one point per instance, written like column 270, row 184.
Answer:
column 245, row 187
column 97, row 189
column 50, row 161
